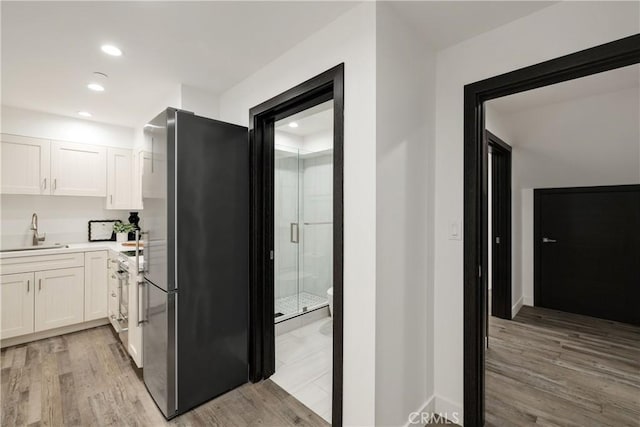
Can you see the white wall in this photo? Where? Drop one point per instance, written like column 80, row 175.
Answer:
column 568, row 27
column 349, row 39
column 405, row 114
column 37, row 124
column 200, row 101
column 64, row 219
column 587, row 141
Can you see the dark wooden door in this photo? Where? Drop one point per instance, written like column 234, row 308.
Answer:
column 500, row 238
column 587, row 251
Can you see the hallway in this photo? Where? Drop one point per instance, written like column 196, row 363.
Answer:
column 553, row 368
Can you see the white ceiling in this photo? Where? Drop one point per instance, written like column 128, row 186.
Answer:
column 446, row 23
column 51, row 49
column 313, row 120
column 596, row 84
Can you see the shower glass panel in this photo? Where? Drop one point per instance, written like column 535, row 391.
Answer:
column 303, row 204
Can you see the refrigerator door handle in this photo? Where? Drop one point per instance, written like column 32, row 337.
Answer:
column 141, row 307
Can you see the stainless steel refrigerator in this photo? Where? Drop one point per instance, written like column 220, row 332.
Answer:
column 194, row 295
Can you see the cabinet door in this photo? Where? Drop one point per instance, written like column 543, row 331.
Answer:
column 119, row 178
column 78, row 169
column 136, row 193
column 112, row 280
column 59, row 298
column 24, row 165
column 95, row 285
column 16, row 302
column 134, row 339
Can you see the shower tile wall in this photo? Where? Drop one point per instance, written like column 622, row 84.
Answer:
column 317, row 215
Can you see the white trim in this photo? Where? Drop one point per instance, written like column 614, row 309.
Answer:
column 516, row 307
column 8, row 342
column 528, row 300
column 446, row 407
column 427, row 407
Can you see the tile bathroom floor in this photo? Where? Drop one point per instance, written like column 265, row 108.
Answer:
column 304, row 365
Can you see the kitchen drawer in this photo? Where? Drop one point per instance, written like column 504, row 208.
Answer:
column 41, row 262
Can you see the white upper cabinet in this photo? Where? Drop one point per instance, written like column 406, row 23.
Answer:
column 119, row 178
column 78, row 169
column 25, row 165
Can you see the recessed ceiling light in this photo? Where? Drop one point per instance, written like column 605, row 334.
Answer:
column 96, row 87
column 84, row 113
column 293, row 125
column 111, row 50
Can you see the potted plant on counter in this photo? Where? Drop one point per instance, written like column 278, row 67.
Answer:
column 122, row 231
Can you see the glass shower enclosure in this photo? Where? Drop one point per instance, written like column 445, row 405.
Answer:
column 303, row 204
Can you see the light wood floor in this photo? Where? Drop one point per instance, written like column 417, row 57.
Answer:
column 551, row 368
column 86, row 379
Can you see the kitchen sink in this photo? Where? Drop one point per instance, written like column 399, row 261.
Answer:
column 35, row 248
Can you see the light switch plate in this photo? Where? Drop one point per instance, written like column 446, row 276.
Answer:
column 455, row 230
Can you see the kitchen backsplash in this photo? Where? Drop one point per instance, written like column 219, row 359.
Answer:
column 63, row 218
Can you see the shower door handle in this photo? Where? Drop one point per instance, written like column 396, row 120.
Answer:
column 294, row 232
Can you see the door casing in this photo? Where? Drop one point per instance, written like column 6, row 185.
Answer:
column 324, row 87
column 609, row 56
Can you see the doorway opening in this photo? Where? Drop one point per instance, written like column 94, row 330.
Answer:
column 595, row 60
column 296, row 277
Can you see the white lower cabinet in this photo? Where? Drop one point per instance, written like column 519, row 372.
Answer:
column 135, row 331
column 16, row 300
column 95, row 285
column 59, row 298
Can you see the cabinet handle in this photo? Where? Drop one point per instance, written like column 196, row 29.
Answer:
column 39, row 284
column 28, row 283
column 45, row 184
column 113, row 294
column 111, row 199
column 55, row 183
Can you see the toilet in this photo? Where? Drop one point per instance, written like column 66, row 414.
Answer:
column 330, row 297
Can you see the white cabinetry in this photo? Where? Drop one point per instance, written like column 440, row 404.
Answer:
column 119, row 178
column 112, row 305
column 134, row 339
column 59, row 298
column 78, row 169
column 95, row 285
column 16, row 299
column 47, row 295
column 25, row 165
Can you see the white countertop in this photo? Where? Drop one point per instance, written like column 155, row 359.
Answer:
column 72, row 247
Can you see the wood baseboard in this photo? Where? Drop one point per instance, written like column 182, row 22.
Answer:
column 8, row 342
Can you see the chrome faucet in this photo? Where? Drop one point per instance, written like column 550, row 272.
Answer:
column 37, row 238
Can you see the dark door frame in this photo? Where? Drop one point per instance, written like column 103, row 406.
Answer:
column 500, row 226
column 616, row 54
column 324, row 87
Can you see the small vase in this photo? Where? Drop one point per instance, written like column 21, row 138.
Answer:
column 134, row 219
column 121, row 237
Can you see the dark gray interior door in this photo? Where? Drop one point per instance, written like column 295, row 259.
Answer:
column 587, row 251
